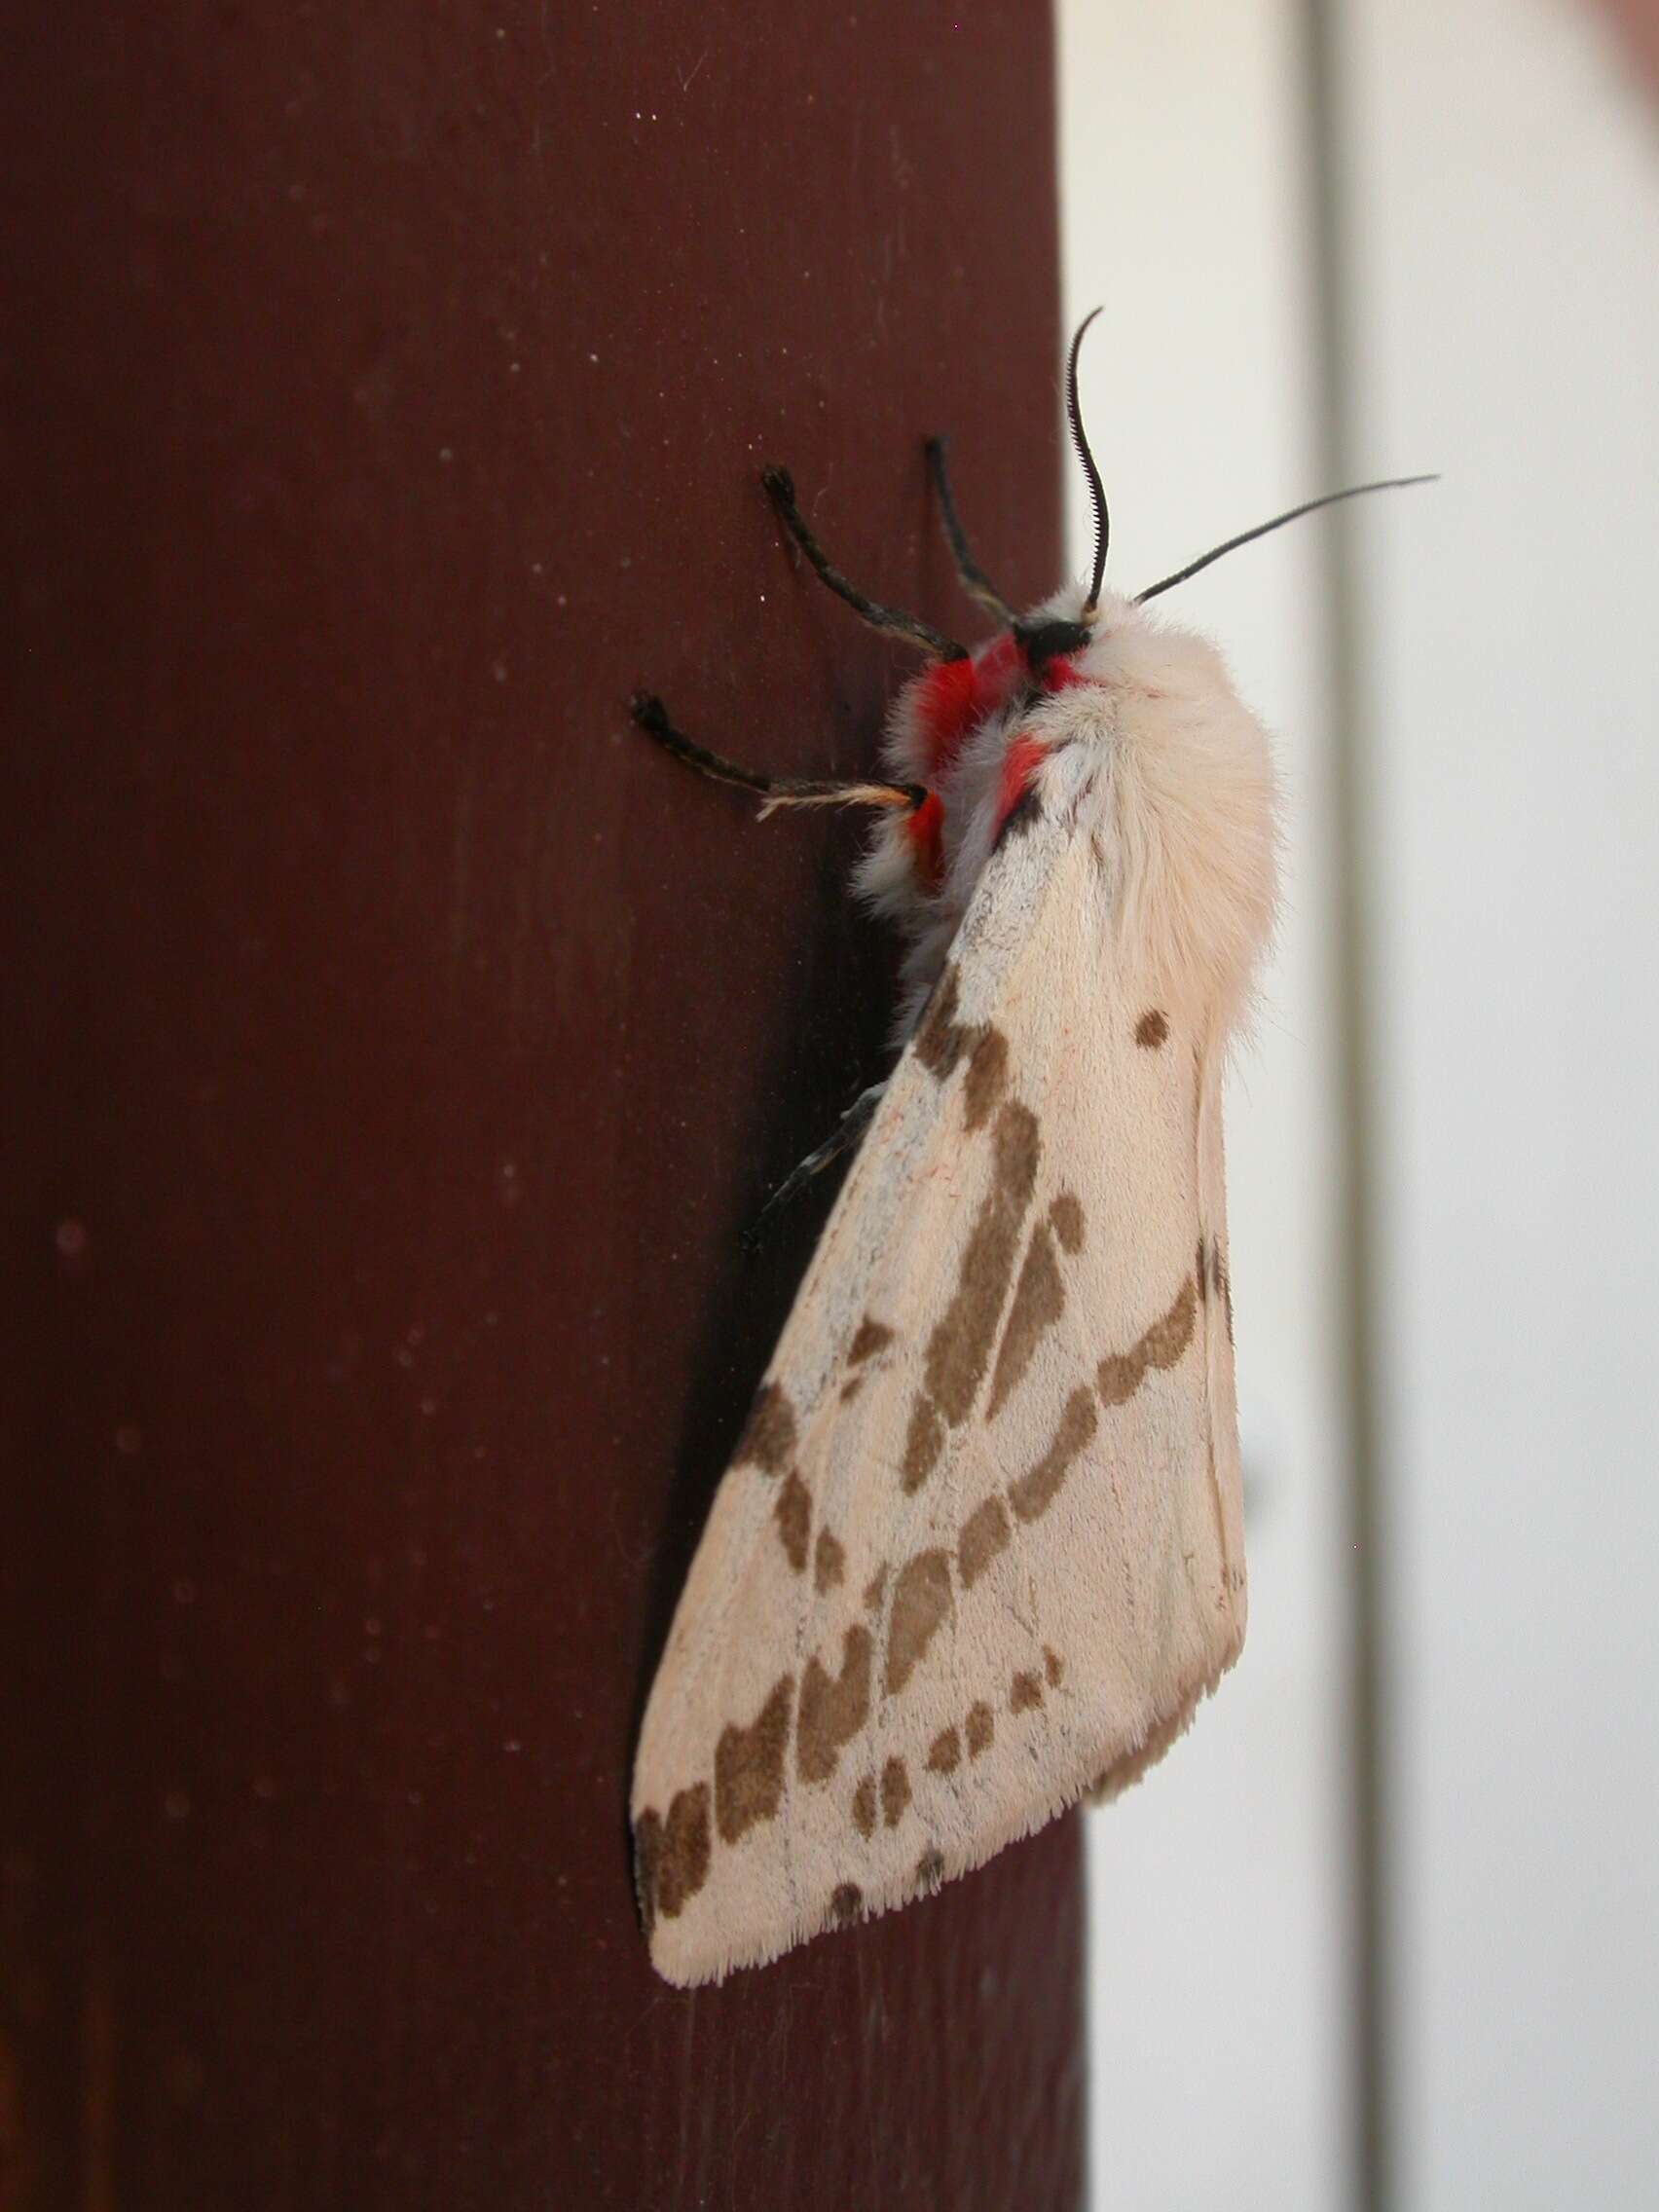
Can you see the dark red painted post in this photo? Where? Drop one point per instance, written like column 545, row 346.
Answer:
column 397, row 1046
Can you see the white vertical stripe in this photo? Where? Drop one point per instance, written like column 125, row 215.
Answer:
column 1506, row 229
column 1217, row 1979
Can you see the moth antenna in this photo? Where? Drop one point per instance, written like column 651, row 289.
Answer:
column 1096, row 490
column 1291, row 514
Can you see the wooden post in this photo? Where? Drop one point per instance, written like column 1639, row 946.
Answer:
column 398, row 1047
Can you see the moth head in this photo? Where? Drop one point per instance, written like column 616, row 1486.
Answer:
column 1065, row 625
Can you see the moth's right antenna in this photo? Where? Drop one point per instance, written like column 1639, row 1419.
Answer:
column 1096, row 490
column 1291, row 514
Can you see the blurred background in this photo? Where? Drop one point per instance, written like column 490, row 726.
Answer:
column 1386, row 1931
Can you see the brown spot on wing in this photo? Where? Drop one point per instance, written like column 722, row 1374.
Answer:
column 1039, row 1300
column 793, row 1515
column 960, row 1344
column 1037, row 1490
column 1121, row 1375
column 944, row 1754
column 863, row 1806
column 1053, row 1666
column 1024, row 1692
column 941, row 1040
column 895, row 1793
column 940, row 1037
column 870, row 1338
column 921, row 1599
column 1170, row 1335
column 851, row 1388
column 749, row 1766
column 981, row 1727
column 833, row 1708
column 673, row 1854
column 1067, row 1214
column 923, row 1444
column 844, row 1902
column 1152, row 1029
column 769, row 1433
column 987, row 1078
column 984, row 1533
column 875, row 1588
column 828, row 1562
column 930, row 1869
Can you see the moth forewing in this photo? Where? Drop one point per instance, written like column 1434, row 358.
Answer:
column 977, row 1549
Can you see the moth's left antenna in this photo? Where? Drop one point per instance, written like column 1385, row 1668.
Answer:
column 1096, row 490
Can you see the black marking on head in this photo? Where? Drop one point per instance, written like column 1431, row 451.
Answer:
column 1044, row 642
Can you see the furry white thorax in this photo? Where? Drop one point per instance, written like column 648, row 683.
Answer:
column 1186, row 792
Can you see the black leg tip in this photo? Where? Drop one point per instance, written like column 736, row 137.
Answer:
column 648, row 711
column 751, row 1238
column 935, row 447
column 779, row 483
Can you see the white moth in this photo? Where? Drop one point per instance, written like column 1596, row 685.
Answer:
column 979, row 1551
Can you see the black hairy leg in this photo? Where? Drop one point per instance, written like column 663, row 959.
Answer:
column 842, row 1138
column 974, row 580
column 651, row 716
column 781, row 490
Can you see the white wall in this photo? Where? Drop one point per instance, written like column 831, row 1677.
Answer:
column 1499, row 227
column 1217, row 1889
column 1506, row 218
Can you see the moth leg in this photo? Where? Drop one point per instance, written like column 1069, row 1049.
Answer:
column 974, row 580
column 651, row 716
column 781, row 490
column 846, row 1134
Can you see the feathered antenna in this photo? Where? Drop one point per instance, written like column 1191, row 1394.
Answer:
column 1291, row 514
column 1096, row 490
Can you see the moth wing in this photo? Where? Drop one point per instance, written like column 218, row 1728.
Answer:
column 980, row 1548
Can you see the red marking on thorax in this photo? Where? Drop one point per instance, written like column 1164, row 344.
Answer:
column 947, row 706
column 926, row 832
column 997, row 664
column 954, row 695
column 1064, row 674
column 1020, row 763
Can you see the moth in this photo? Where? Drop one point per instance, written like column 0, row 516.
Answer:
column 979, row 1551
